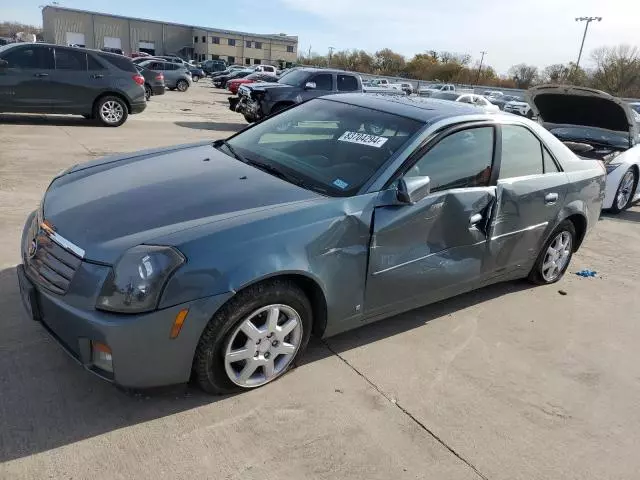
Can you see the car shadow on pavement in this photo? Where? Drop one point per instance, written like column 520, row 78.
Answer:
column 54, row 120
column 630, row 215
column 47, row 401
column 218, row 126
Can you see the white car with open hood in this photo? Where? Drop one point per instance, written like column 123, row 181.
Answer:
column 594, row 125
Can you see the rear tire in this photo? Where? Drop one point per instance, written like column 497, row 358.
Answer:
column 111, row 111
column 182, row 85
column 196, row 78
column 626, row 189
column 211, row 365
column 529, row 114
column 555, row 256
column 147, row 92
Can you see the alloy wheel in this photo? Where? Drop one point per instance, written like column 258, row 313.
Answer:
column 557, row 256
column 263, row 345
column 182, row 86
column 111, row 111
column 624, row 192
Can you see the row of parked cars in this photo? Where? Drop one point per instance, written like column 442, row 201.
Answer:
column 333, row 210
column 99, row 85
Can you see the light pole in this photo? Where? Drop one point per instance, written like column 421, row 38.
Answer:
column 331, row 49
column 480, row 67
column 588, row 20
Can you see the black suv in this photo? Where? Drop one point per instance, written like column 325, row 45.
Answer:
column 43, row 78
column 258, row 100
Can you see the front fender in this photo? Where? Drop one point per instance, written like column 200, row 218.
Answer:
column 326, row 241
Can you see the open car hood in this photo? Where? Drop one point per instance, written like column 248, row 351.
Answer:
column 568, row 105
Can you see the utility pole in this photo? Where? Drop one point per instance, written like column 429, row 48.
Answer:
column 588, row 20
column 331, row 49
column 480, row 67
column 309, row 56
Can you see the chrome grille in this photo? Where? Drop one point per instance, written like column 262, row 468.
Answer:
column 48, row 264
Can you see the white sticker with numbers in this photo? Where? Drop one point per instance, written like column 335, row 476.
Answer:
column 363, row 139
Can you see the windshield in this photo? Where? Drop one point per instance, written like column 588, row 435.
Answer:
column 325, row 146
column 294, row 77
column 436, row 86
column 598, row 136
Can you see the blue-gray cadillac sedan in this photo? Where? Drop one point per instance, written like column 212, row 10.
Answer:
column 219, row 260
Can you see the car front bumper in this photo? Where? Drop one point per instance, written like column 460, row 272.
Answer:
column 143, row 353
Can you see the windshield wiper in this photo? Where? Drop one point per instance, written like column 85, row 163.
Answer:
column 287, row 177
column 233, row 152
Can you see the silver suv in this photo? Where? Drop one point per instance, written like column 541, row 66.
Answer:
column 175, row 76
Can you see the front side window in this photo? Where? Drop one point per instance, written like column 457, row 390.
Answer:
column 294, row 77
column 347, row 83
column 323, row 81
column 30, row 58
column 328, row 147
column 521, row 152
column 70, row 60
column 460, row 160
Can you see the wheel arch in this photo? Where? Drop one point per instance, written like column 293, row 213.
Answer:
column 580, row 224
column 111, row 94
column 576, row 212
column 309, row 284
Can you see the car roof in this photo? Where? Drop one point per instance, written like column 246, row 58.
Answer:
column 425, row 110
column 324, row 70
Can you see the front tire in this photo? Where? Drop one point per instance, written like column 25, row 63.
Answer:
column 147, row 92
column 196, row 78
column 254, row 339
column 111, row 111
column 624, row 194
column 555, row 256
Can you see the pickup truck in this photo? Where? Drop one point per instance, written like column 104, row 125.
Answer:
column 258, row 100
column 436, row 87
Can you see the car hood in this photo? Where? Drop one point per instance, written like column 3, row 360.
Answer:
column 107, row 206
column 270, row 85
column 561, row 104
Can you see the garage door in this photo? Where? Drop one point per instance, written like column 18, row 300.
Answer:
column 112, row 42
column 75, row 39
column 147, row 47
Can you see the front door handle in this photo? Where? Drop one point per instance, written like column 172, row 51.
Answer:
column 40, row 75
column 551, row 198
column 475, row 218
column 97, row 75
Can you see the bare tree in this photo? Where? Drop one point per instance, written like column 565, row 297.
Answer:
column 523, row 75
column 617, row 70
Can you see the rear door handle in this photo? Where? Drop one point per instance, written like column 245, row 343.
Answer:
column 97, row 75
column 40, row 75
column 551, row 198
column 475, row 218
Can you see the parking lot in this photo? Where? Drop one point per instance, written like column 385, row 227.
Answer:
column 509, row 382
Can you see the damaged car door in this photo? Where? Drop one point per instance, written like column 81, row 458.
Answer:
column 531, row 191
column 435, row 247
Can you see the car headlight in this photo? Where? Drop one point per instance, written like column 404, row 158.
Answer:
column 136, row 282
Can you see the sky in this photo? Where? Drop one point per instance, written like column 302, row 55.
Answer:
column 538, row 33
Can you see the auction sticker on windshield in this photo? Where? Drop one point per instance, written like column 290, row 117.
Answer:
column 363, row 139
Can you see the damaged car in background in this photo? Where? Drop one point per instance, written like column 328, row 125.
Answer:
column 259, row 100
column 333, row 214
column 595, row 125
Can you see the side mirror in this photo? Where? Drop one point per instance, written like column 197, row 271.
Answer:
column 3, row 63
column 413, row 189
column 310, row 86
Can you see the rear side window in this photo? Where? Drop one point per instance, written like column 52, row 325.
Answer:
column 94, row 64
column 549, row 165
column 521, row 152
column 118, row 61
column 67, row 59
column 30, row 58
column 347, row 83
column 323, row 81
column 460, row 160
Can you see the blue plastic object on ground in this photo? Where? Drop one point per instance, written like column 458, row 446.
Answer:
column 587, row 273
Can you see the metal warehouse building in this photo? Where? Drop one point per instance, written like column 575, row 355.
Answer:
column 66, row 26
